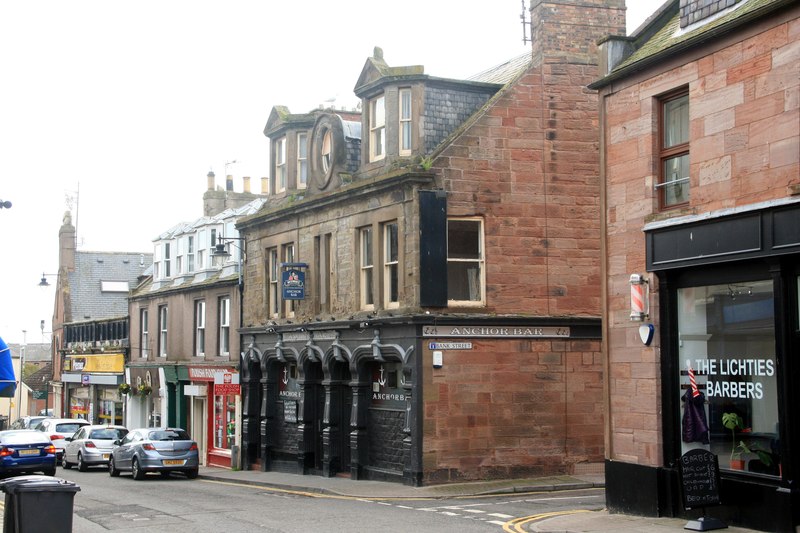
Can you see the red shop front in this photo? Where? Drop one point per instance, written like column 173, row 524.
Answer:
column 214, row 412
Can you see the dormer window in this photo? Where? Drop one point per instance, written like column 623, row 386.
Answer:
column 302, row 160
column 405, row 121
column 327, row 151
column 377, row 129
column 280, row 165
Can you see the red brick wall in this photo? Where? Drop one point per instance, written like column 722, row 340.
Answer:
column 744, row 105
column 512, row 408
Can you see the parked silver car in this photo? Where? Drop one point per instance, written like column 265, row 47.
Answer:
column 161, row 450
column 91, row 446
column 57, row 429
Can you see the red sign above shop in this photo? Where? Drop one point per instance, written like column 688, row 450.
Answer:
column 206, row 373
column 226, row 383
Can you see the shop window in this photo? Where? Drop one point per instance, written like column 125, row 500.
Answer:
column 162, row 331
column 390, row 266
column 365, row 269
column 465, row 272
column 673, row 184
column 726, row 345
column 377, row 129
column 200, row 328
column 224, row 421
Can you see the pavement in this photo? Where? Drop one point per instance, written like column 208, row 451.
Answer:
column 592, row 521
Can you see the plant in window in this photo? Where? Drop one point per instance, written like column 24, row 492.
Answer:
column 733, row 422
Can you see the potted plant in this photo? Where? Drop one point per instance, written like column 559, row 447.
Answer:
column 144, row 389
column 733, row 422
column 124, row 388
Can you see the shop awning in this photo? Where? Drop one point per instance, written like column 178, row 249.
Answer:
column 8, row 382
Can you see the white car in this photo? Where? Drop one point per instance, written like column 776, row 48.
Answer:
column 57, row 429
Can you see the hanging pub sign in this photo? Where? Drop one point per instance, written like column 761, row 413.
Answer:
column 293, row 280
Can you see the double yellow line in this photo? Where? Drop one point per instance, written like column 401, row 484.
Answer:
column 516, row 525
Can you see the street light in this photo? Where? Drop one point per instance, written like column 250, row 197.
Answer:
column 44, row 282
column 6, row 204
column 221, row 252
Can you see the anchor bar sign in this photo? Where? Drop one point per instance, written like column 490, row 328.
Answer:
column 294, row 284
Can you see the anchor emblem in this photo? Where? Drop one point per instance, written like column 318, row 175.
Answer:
column 382, row 379
column 285, row 375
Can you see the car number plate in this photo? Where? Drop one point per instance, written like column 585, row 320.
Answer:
column 172, row 462
column 105, row 456
column 29, row 452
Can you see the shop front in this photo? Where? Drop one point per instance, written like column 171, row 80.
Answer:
column 728, row 292
column 213, row 396
column 92, row 387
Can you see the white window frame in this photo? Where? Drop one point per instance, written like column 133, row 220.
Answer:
column 280, row 165
column 225, row 325
column 200, row 328
column 273, row 300
column 366, row 270
column 201, row 251
column 190, row 254
column 144, row 333
column 163, row 323
column 480, row 261
column 167, row 269
column 302, row 160
column 180, row 243
column 289, row 257
column 391, row 265
column 404, row 140
column 377, row 128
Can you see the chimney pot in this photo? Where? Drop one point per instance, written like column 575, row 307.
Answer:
column 264, row 185
column 210, row 177
column 246, row 183
column 229, row 183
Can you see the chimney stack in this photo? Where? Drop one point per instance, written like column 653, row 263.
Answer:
column 229, row 183
column 246, row 184
column 210, row 177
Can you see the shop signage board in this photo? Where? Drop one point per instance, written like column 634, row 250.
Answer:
column 111, row 363
column 294, row 284
column 699, row 481
column 226, row 383
column 534, row 332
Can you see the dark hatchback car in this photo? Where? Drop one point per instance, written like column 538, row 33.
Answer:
column 26, row 450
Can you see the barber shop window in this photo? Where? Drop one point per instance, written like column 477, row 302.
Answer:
column 728, row 381
column 673, row 185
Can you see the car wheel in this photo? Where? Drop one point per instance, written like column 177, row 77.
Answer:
column 82, row 466
column 64, row 463
column 50, row 471
column 136, row 470
column 112, row 468
column 192, row 474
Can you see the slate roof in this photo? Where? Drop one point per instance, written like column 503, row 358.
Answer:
column 34, row 352
column 87, row 300
column 652, row 47
column 191, row 227
column 505, row 72
column 38, row 380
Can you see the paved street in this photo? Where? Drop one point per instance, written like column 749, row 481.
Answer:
column 180, row 505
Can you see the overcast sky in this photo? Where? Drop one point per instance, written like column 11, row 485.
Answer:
column 125, row 106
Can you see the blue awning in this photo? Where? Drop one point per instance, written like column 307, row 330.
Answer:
column 8, row 382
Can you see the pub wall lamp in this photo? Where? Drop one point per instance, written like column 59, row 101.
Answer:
column 5, row 204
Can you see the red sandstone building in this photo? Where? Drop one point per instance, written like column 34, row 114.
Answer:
column 701, row 217
column 447, row 239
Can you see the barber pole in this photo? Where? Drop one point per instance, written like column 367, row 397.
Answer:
column 693, row 382
column 639, row 309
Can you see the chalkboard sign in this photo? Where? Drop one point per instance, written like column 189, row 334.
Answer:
column 289, row 411
column 699, row 471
